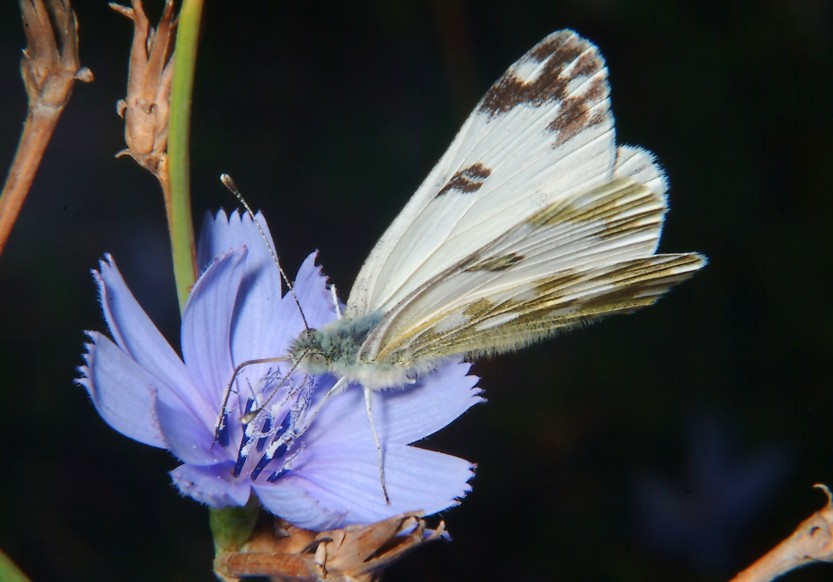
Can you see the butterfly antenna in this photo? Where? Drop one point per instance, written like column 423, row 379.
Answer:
column 232, row 187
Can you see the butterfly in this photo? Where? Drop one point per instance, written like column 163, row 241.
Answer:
column 534, row 221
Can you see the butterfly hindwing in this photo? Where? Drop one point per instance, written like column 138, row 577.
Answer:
column 580, row 257
column 560, row 302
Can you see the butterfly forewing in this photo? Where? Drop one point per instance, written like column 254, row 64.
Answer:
column 636, row 163
column 543, row 131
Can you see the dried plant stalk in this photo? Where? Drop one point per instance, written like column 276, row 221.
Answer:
column 50, row 66
column 812, row 541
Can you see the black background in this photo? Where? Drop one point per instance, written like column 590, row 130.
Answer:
column 679, row 443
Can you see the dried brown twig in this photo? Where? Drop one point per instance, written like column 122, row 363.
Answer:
column 812, row 541
column 355, row 553
column 50, row 66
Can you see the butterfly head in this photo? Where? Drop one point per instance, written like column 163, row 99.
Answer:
column 334, row 348
column 309, row 353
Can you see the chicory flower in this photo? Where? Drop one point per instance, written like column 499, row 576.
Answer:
column 316, row 468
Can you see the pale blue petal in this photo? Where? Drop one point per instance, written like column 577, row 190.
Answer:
column 205, row 332
column 345, row 482
column 402, row 415
column 260, row 328
column 212, row 240
column 230, row 232
column 189, row 439
column 254, row 321
column 415, row 412
column 211, row 485
column 265, row 329
column 288, row 499
column 135, row 333
column 123, row 392
column 314, row 294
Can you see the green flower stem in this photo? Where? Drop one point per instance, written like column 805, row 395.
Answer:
column 181, row 222
column 9, row 572
column 232, row 527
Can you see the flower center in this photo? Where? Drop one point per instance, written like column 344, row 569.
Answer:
column 272, row 426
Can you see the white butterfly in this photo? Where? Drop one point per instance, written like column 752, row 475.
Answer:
column 533, row 221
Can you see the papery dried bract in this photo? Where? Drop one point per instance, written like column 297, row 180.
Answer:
column 355, row 553
column 50, row 63
column 146, row 107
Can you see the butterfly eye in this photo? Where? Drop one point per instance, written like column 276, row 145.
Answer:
column 316, row 363
column 306, row 350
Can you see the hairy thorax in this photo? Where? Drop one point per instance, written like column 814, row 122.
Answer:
column 335, row 349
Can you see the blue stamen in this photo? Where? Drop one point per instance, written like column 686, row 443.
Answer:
column 244, row 440
column 287, row 420
column 280, row 451
column 238, row 464
column 261, row 442
column 261, row 464
column 222, row 431
column 277, row 475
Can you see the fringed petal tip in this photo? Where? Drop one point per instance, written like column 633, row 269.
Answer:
column 105, row 263
column 83, row 378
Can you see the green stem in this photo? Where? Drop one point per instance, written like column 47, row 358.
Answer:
column 230, row 527
column 9, row 572
column 181, row 223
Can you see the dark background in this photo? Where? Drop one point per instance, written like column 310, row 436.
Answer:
column 679, row 443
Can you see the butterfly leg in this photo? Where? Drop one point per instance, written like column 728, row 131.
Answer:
column 379, row 457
